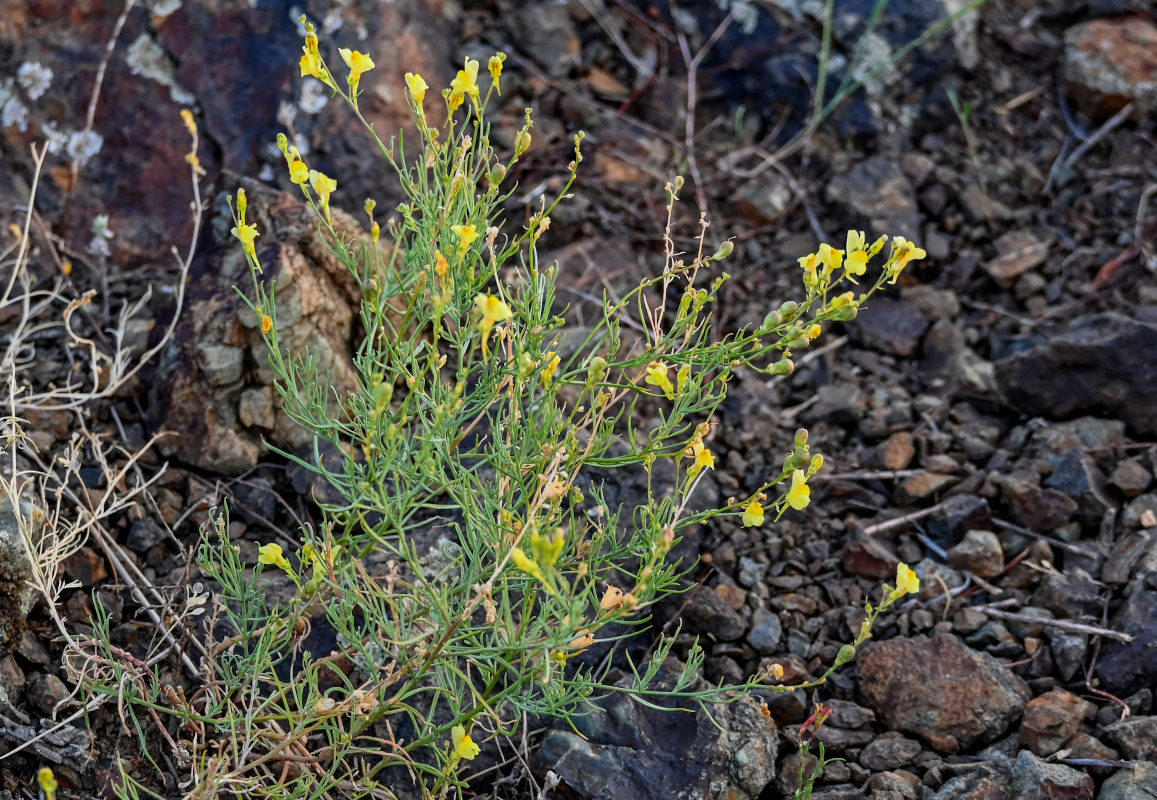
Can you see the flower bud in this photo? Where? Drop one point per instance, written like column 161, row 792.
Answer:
column 847, row 653
column 785, row 366
column 725, row 249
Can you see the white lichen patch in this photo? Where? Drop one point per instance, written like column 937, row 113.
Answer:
column 100, row 236
column 14, row 113
column 314, row 96
column 34, row 78
column 82, row 146
column 147, row 58
column 876, row 67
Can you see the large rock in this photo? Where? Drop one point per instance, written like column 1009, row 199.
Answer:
column 1049, row 721
column 1125, row 667
column 633, row 751
column 1103, row 362
column 939, row 689
column 16, row 592
column 1139, row 783
column 234, row 63
column 1034, row 779
column 219, row 360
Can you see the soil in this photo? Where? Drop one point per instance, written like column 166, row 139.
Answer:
column 990, row 420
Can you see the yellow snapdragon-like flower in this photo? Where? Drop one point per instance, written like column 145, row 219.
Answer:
column 831, row 259
column 799, row 495
column 417, row 86
column 358, row 63
column 311, row 63
column 906, row 581
column 903, row 251
column 495, row 67
column 856, row 262
column 548, row 372
column 247, row 233
column 467, row 234
column 753, row 514
column 703, row 457
column 493, row 311
column 526, row 563
column 266, row 324
column 809, row 263
column 324, row 186
column 464, row 746
column 273, row 555
column 657, row 376
column 464, row 83
column 298, row 172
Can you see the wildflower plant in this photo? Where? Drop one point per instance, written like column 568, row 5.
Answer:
column 481, row 422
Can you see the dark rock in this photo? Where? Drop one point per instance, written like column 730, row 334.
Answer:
column 838, row 740
column 893, row 785
column 1082, row 745
column 1139, row 783
column 837, row 403
column 1125, row 667
column 1055, row 442
column 1141, row 512
column 1070, row 594
column 765, row 635
column 948, row 356
column 990, row 782
column 144, row 535
column 955, row 516
column 1134, row 737
column 848, row 715
column 45, row 692
column 708, row 613
column 870, row 557
column 876, row 188
column 1125, row 555
column 1103, row 362
column 1051, row 719
column 638, row 752
column 889, row 752
column 1033, row 507
column 979, row 552
column 890, row 326
column 1069, row 649
column 1079, row 477
column 940, row 690
column 86, row 566
column 1109, row 63
column 1033, row 779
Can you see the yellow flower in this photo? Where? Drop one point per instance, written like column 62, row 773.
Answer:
column 703, row 457
column 358, row 63
column 464, row 746
column 441, row 265
column 906, row 581
column 311, row 64
column 552, row 362
column 493, row 311
column 272, row 555
column 247, row 233
column 753, row 514
column 525, row 563
column 831, row 259
column 903, row 251
column 857, row 259
column 681, row 378
column 799, row 495
column 298, row 172
column 465, row 83
column 266, row 324
column 466, row 235
column 495, row 67
column 809, row 264
column 48, row 783
column 657, row 376
column 813, row 332
column 324, row 186
column 417, row 86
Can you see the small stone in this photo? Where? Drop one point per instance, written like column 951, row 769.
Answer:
column 1033, row 507
column 877, row 188
column 1131, row 477
column 86, row 566
column 1069, row 649
column 255, row 408
column 220, row 364
column 955, row 516
column 1033, row 779
column 1109, row 63
column 1082, row 745
column 980, row 553
column 915, row 488
column 1018, row 251
column 851, row 716
column 889, row 752
column 1126, row 553
column 144, row 535
column 45, row 692
column 984, row 784
column 895, row 785
column 980, row 206
column 1125, row 667
column 765, row 636
column 1051, row 719
column 764, row 200
column 11, row 679
column 732, row 594
column 710, row 613
column 891, row 326
column 869, row 557
column 897, row 451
